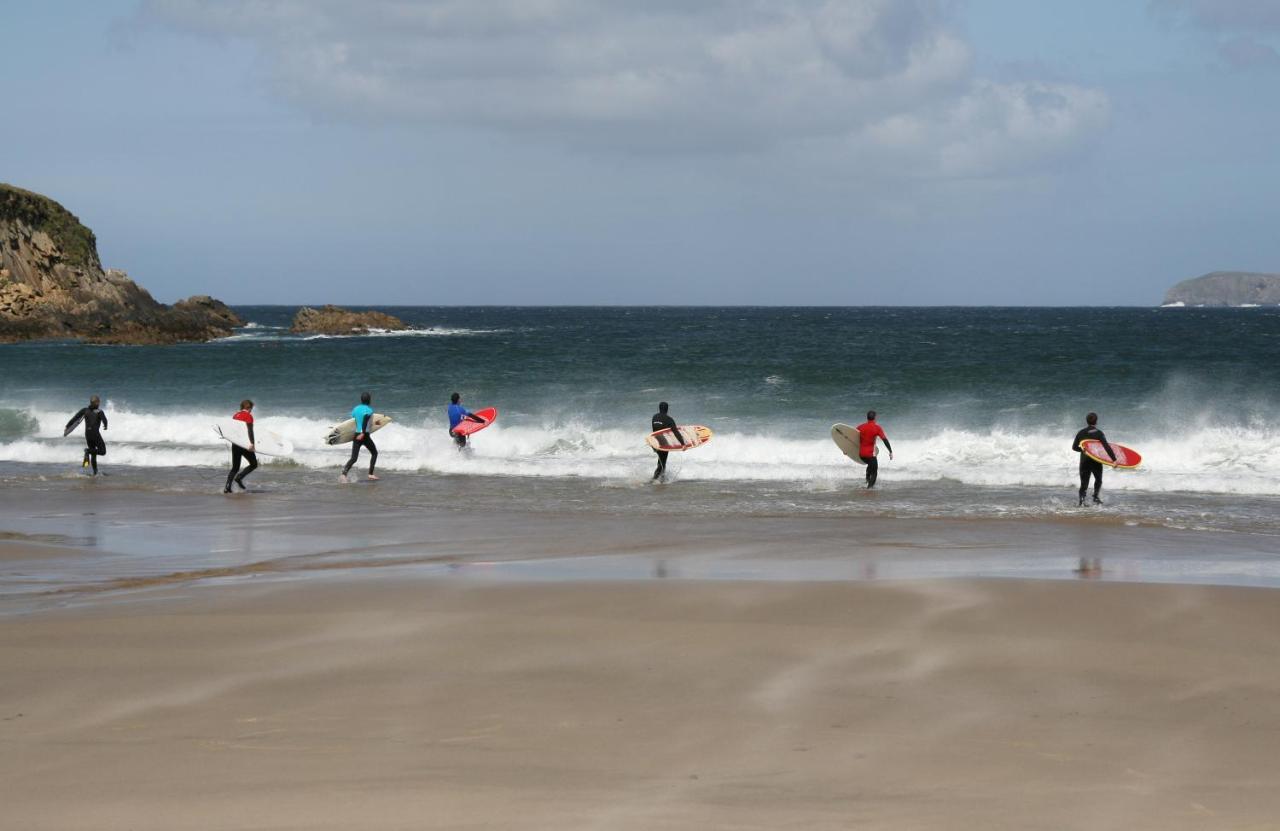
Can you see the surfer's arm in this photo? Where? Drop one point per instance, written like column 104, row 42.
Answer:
column 252, row 440
column 364, row 423
column 1075, row 445
column 473, row 417
column 1107, row 447
column 887, row 446
column 104, row 419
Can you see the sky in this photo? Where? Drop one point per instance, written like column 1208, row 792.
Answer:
column 726, row 152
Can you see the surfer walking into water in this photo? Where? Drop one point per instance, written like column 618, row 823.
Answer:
column 1089, row 466
column 458, row 414
column 94, row 421
column 868, row 432
column 662, row 421
column 238, row 452
column 362, row 413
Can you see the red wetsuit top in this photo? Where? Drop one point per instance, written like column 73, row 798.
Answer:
column 247, row 418
column 869, row 432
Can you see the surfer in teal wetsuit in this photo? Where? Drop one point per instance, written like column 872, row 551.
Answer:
column 1088, row 465
column 457, row 414
column 662, row 421
column 94, row 420
column 362, row 413
column 238, row 452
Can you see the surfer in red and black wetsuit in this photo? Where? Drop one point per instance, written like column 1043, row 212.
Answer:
column 662, row 421
column 1088, row 465
column 94, row 420
column 238, row 452
column 868, row 433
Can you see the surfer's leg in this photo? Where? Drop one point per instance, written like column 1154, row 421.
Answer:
column 1097, row 482
column 373, row 452
column 252, row 459
column 662, row 464
column 873, row 470
column 1085, row 472
column 355, row 454
column 236, row 453
column 461, row 441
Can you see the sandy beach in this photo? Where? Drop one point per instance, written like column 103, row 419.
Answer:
column 393, row 703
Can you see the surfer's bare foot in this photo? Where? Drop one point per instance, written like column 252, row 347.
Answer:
column 372, row 478
column 343, row 478
column 1097, row 501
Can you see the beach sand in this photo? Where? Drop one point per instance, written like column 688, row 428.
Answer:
column 384, row 702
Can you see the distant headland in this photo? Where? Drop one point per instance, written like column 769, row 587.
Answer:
column 53, row 286
column 1226, row 288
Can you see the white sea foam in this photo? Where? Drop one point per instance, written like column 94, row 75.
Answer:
column 1203, row 459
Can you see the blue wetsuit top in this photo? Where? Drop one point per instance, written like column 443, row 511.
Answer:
column 362, row 413
column 457, row 412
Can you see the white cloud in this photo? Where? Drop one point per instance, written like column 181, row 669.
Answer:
column 889, row 81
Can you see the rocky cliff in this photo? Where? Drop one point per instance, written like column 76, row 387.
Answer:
column 1226, row 288
column 334, row 320
column 52, row 285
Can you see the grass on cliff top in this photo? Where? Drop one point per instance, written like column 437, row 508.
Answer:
column 78, row 244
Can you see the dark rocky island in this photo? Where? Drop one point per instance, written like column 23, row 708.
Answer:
column 1226, row 288
column 52, row 285
column 334, row 320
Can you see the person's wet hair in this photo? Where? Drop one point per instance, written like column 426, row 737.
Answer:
column 246, row 404
column 662, row 406
column 94, row 401
column 1091, row 419
column 455, row 398
column 871, row 415
column 365, row 398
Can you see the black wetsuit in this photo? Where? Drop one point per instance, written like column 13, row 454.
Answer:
column 662, row 421
column 238, row 453
column 367, row 441
column 1091, row 467
column 94, row 420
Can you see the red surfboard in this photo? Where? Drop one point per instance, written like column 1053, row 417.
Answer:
column 466, row 427
column 1126, row 457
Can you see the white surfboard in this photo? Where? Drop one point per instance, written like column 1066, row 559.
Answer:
column 849, row 440
column 345, row 431
column 266, row 442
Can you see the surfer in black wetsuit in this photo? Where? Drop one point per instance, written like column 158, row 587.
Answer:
column 662, row 421
column 94, row 420
column 1090, row 466
column 238, row 452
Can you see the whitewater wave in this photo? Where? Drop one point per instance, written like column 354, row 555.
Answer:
column 257, row 333
column 1205, row 459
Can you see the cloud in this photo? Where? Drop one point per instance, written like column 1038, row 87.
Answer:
column 1239, row 29
column 876, row 81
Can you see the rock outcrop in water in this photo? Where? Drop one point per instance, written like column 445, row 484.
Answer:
column 334, row 320
column 1226, row 288
column 52, row 285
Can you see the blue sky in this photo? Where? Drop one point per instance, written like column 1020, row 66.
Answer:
column 601, row 151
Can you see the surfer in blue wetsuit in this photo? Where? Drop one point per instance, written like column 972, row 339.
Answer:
column 238, row 452
column 94, row 421
column 1090, row 467
column 662, row 421
column 458, row 414
column 362, row 413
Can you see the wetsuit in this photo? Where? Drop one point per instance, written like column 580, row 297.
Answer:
column 363, row 414
column 457, row 413
column 94, row 420
column 238, row 453
column 1088, row 466
column 662, row 421
column 868, row 432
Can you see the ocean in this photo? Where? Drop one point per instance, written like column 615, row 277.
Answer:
column 981, row 405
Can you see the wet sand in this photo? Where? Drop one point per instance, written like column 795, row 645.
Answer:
column 378, row 703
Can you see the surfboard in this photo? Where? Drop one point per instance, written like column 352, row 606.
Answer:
column 1126, row 457
column 73, row 425
column 694, row 435
column 849, row 440
column 466, row 427
column 345, row 431
column 267, row 442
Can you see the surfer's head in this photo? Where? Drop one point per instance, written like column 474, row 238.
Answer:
column 662, row 406
column 1091, row 419
column 365, row 398
column 94, row 402
column 455, row 398
column 871, row 415
column 246, row 404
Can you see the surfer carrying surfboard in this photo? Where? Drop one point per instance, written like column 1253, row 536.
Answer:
column 868, row 432
column 1088, row 465
column 458, row 414
column 363, row 415
column 238, row 452
column 662, row 421
column 94, row 420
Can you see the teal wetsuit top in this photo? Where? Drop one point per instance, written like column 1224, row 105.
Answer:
column 362, row 413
